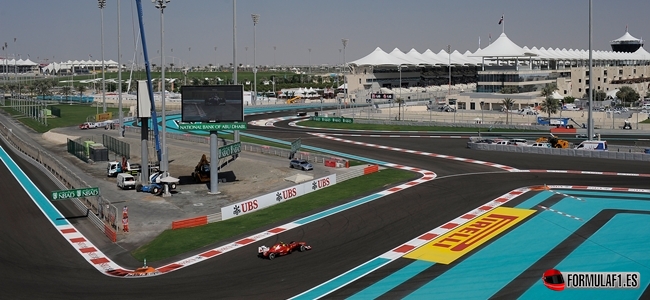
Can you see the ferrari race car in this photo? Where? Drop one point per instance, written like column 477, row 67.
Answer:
column 281, row 248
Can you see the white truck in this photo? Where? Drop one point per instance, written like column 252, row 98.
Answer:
column 115, row 167
column 125, row 181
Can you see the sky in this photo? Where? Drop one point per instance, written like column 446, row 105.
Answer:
column 71, row 29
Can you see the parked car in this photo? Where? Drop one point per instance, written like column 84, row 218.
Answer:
column 518, row 142
column 88, row 125
column 300, row 164
column 541, row 145
column 125, row 181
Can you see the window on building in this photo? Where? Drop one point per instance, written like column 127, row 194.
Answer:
column 605, row 72
column 359, row 80
column 604, row 80
column 634, row 71
column 586, row 73
column 472, row 106
column 587, row 81
column 579, row 80
column 599, row 79
column 598, row 87
column 565, row 92
column 579, row 90
column 620, row 72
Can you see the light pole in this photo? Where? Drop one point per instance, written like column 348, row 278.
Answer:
column 399, row 103
column 162, row 4
column 309, row 60
column 449, row 53
column 119, row 75
column 215, row 59
column 590, row 127
column 345, row 79
column 274, row 64
column 256, row 18
column 482, row 111
column 102, row 4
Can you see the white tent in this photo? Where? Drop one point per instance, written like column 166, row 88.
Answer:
column 380, row 58
column 503, row 47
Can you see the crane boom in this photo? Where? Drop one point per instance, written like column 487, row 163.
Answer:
column 149, row 84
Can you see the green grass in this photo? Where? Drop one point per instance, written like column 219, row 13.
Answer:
column 71, row 115
column 175, row 242
column 357, row 126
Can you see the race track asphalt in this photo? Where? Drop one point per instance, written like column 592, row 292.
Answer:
column 37, row 263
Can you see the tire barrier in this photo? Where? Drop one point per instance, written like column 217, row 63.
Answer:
column 191, row 222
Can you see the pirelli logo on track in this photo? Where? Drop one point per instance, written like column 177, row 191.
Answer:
column 456, row 243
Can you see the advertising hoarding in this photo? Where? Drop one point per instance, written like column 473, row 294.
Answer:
column 212, row 103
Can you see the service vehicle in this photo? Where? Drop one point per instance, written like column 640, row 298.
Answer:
column 281, row 249
column 518, row 142
column 202, row 170
column 88, row 125
column 300, row 164
column 125, row 181
column 115, row 167
column 592, row 145
column 541, row 145
column 157, row 183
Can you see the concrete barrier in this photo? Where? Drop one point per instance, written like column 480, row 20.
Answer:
column 634, row 156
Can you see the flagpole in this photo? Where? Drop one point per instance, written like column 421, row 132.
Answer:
column 503, row 23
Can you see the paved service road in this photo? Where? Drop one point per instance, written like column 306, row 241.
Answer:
column 38, row 263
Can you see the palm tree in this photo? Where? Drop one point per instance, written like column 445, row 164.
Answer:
column 81, row 89
column 66, row 91
column 548, row 90
column 550, row 106
column 507, row 104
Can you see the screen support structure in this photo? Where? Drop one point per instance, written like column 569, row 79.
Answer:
column 214, row 162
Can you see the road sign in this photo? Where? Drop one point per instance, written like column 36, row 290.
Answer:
column 381, row 96
column 229, row 150
column 69, row 194
column 332, row 119
column 295, row 145
column 212, row 126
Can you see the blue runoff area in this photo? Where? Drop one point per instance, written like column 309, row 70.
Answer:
column 30, row 188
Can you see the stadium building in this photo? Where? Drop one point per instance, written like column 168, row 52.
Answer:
column 480, row 77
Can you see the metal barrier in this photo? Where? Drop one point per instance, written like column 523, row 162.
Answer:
column 69, row 180
column 262, row 149
column 613, row 153
column 77, row 150
column 119, row 147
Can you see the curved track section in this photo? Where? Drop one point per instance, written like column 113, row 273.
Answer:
column 38, row 262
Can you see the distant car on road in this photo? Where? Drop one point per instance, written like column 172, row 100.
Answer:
column 300, row 164
column 215, row 100
column 88, row 125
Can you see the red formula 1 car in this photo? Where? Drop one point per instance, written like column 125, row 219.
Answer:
column 281, row 248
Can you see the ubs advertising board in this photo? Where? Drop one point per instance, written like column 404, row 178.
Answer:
column 276, row 197
column 212, row 103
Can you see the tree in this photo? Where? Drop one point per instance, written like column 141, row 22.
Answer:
column 509, row 90
column 548, row 90
column 81, row 89
column 550, row 106
column 568, row 99
column 507, row 104
column 66, row 91
column 627, row 95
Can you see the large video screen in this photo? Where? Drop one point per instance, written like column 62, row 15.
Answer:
column 212, row 103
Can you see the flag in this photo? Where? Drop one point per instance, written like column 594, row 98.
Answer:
column 501, row 20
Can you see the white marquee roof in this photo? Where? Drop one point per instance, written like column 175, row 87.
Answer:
column 502, row 47
column 627, row 37
column 17, row 62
